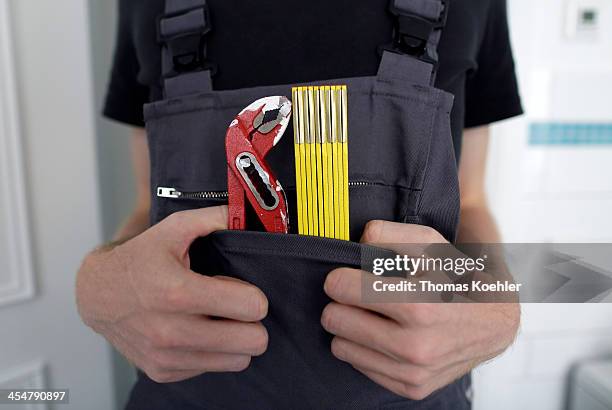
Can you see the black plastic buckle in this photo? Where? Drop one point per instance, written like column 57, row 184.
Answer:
column 438, row 23
column 411, row 32
column 188, row 54
column 187, row 49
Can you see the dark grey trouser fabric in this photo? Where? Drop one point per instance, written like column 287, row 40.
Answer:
column 298, row 371
column 399, row 146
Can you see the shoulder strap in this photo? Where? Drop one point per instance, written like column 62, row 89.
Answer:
column 182, row 31
column 417, row 30
column 185, row 24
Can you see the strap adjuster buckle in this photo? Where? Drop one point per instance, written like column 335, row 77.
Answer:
column 183, row 35
column 437, row 23
column 412, row 33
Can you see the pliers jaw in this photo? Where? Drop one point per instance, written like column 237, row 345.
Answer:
column 249, row 138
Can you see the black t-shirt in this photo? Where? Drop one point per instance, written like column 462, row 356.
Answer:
column 268, row 42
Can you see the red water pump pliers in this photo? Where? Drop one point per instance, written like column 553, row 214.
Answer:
column 250, row 136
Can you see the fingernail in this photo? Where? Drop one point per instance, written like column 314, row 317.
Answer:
column 258, row 304
column 331, row 283
column 326, row 320
column 337, row 349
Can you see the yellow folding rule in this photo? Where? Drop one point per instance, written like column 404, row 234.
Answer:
column 320, row 120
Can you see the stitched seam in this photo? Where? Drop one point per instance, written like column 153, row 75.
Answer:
column 285, row 253
column 157, row 114
column 427, row 168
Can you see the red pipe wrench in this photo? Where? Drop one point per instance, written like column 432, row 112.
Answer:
column 249, row 138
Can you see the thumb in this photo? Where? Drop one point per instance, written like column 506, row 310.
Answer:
column 384, row 232
column 187, row 226
column 407, row 239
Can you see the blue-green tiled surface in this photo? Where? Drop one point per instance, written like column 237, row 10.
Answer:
column 550, row 133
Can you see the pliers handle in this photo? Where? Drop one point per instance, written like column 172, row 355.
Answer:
column 250, row 136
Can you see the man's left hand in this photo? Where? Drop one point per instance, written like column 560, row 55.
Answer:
column 412, row 349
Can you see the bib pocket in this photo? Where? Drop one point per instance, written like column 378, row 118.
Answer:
column 298, row 370
column 400, row 148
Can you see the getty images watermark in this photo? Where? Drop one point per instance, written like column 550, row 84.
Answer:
column 411, row 266
column 490, row 273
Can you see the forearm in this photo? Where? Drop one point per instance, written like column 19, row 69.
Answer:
column 477, row 225
column 138, row 221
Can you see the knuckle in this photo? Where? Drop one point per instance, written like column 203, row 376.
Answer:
column 159, row 361
column 416, row 377
column 430, row 235
column 399, row 343
column 338, row 349
column 260, row 342
column 146, row 341
column 386, row 342
column 257, row 304
column 419, row 314
column 334, row 282
column 421, row 354
column 240, row 363
column 174, row 297
column 158, row 375
column 373, row 231
column 415, row 393
column 404, row 351
column 328, row 318
column 162, row 338
column 413, row 350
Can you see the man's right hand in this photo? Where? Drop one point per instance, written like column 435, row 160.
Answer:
column 169, row 321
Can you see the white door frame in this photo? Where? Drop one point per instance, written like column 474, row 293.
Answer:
column 19, row 285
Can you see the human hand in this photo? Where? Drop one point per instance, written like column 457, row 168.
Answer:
column 169, row 321
column 412, row 349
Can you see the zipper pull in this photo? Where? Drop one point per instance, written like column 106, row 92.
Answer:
column 164, row 192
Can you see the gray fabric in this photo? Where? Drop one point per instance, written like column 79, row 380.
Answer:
column 298, row 371
column 394, row 126
column 193, row 21
column 174, row 6
column 396, row 109
column 432, row 45
column 189, row 22
column 412, row 69
column 430, row 9
column 186, row 84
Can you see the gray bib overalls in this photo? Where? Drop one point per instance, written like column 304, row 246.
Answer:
column 401, row 167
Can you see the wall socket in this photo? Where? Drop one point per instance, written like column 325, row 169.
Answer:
column 584, row 19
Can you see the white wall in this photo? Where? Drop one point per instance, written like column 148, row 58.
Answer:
column 112, row 139
column 56, row 117
column 558, row 194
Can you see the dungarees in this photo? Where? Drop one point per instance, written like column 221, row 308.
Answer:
column 401, row 168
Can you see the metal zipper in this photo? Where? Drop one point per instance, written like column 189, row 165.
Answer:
column 166, row 192
column 360, row 184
